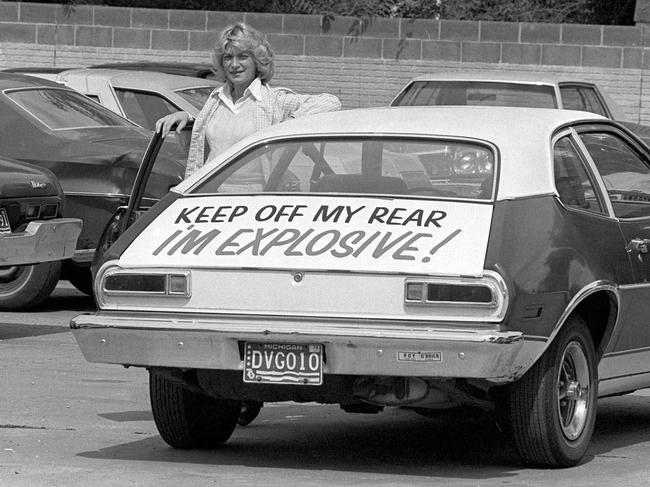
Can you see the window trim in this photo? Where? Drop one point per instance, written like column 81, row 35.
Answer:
column 224, row 165
column 578, row 85
column 623, row 135
column 592, row 173
column 32, row 116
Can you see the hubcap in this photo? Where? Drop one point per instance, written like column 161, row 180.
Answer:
column 13, row 278
column 573, row 391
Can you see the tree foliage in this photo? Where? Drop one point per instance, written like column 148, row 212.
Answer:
column 619, row 12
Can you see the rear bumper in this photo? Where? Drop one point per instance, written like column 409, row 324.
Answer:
column 350, row 348
column 42, row 241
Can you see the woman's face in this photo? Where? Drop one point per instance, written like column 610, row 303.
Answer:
column 239, row 67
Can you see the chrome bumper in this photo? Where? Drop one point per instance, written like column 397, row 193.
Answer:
column 350, row 348
column 42, row 241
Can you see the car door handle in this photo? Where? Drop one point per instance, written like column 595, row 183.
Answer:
column 638, row 245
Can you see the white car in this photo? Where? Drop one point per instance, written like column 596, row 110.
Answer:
column 141, row 96
column 309, row 264
column 514, row 89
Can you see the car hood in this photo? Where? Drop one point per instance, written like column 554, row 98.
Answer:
column 22, row 180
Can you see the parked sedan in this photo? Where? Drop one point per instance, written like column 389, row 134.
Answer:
column 34, row 239
column 514, row 89
column 314, row 262
column 93, row 152
column 142, row 97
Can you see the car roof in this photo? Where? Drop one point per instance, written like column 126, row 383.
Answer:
column 186, row 69
column 516, row 132
column 15, row 80
column 501, row 76
column 35, row 69
column 144, row 80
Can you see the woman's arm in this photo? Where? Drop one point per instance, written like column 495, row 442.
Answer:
column 295, row 105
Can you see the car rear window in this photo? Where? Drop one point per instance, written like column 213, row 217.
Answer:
column 489, row 93
column 61, row 109
column 360, row 165
column 196, row 96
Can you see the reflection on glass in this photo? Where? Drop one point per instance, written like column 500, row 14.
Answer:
column 196, row 96
column 64, row 109
column 361, row 165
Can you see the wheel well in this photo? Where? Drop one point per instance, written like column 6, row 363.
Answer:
column 599, row 310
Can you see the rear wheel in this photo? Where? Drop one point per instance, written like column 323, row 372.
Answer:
column 187, row 419
column 553, row 406
column 26, row 286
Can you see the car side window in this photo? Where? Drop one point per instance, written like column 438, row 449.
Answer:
column 144, row 108
column 625, row 172
column 581, row 98
column 572, row 180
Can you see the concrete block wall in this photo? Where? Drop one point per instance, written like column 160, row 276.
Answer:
column 363, row 62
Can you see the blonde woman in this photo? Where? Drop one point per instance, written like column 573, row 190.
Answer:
column 246, row 102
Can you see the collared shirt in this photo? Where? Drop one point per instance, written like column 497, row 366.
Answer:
column 273, row 106
column 232, row 120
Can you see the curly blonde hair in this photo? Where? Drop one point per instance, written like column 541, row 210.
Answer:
column 244, row 38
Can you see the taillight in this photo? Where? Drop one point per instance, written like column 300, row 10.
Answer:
column 149, row 283
column 488, row 293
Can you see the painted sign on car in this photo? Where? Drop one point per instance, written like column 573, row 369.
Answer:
column 311, row 232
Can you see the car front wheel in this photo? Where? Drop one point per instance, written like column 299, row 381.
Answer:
column 26, row 286
column 553, row 406
column 187, row 419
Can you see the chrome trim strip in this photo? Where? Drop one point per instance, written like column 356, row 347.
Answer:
column 110, row 195
column 640, row 285
column 83, row 255
column 573, row 304
column 490, row 279
column 626, row 352
column 165, row 293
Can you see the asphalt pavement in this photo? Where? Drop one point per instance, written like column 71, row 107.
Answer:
column 65, row 422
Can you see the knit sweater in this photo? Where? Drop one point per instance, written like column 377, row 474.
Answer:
column 276, row 105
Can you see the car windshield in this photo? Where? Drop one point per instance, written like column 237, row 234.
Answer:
column 196, row 96
column 61, row 109
column 490, row 93
column 360, row 165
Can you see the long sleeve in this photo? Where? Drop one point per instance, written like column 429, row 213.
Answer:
column 295, row 105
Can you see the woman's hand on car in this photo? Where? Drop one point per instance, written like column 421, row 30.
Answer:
column 165, row 124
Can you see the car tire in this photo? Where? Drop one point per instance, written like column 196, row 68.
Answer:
column 81, row 278
column 553, row 406
column 249, row 411
column 186, row 419
column 26, row 286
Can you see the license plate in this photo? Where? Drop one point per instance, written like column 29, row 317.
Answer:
column 283, row 363
column 4, row 221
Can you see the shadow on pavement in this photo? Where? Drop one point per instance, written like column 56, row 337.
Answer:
column 126, row 416
column 9, row 331
column 323, row 438
column 382, row 444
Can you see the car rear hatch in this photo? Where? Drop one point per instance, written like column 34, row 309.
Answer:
column 311, row 256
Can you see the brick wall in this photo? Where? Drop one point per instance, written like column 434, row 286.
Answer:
column 364, row 64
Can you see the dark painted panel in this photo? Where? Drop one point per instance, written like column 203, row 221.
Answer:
column 547, row 254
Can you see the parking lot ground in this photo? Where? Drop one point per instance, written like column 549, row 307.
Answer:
column 66, row 422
